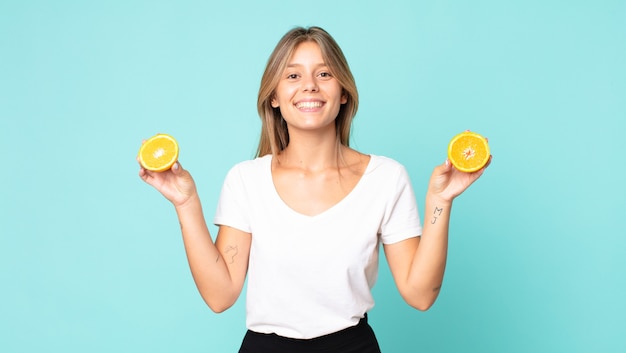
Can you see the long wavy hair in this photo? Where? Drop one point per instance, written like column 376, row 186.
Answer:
column 274, row 134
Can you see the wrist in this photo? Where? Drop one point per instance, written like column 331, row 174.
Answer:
column 437, row 210
column 437, row 200
column 193, row 201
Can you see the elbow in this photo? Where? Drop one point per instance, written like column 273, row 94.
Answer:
column 218, row 307
column 423, row 306
column 420, row 304
column 421, row 301
column 219, row 304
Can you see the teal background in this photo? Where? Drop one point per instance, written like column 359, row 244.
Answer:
column 91, row 258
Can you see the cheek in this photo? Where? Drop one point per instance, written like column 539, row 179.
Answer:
column 338, row 92
column 282, row 95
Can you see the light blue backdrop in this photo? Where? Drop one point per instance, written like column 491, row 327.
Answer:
column 91, row 258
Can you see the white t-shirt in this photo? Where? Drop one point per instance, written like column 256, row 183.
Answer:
column 312, row 275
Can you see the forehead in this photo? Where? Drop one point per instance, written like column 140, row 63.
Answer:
column 305, row 53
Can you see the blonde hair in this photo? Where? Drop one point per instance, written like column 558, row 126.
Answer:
column 274, row 134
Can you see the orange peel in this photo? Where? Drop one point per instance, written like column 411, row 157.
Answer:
column 158, row 153
column 468, row 151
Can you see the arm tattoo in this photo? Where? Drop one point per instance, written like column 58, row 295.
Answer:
column 436, row 214
column 231, row 251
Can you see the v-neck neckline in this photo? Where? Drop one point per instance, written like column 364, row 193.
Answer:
column 328, row 210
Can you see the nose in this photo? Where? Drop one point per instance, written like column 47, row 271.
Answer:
column 309, row 84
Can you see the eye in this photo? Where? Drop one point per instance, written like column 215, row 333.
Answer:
column 292, row 76
column 325, row 74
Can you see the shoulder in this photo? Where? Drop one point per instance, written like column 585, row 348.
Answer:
column 251, row 166
column 382, row 164
column 387, row 172
column 248, row 172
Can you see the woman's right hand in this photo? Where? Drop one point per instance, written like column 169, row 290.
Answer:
column 176, row 184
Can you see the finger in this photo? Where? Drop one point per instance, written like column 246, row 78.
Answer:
column 443, row 168
column 139, row 162
column 143, row 174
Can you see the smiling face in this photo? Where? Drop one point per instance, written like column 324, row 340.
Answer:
column 275, row 135
column 308, row 96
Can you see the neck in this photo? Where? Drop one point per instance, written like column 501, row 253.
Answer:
column 312, row 152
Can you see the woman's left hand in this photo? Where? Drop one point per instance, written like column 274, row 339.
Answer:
column 447, row 182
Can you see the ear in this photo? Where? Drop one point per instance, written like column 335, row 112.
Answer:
column 274, row 103
column 344, row 98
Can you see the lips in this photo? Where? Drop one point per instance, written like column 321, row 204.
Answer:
column 309, row 104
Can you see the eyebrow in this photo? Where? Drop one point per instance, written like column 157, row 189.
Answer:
column 316, row 65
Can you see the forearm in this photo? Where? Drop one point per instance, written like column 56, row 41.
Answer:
column 208, row 268
column 429, row 263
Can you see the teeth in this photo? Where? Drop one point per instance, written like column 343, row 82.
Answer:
column 307, row 105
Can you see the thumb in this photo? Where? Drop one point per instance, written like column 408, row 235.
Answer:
column 442, row 170
column 176, row 168
column 446, row 166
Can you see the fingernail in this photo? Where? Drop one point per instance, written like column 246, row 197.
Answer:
column 175, row 167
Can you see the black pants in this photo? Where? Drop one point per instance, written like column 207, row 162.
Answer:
column 356, row 339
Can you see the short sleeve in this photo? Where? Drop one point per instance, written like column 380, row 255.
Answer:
column 401, row 220
column 232, row 205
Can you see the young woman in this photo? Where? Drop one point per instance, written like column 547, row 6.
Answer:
column 303, row 220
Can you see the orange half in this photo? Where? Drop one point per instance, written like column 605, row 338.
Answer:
column 468, row 151
column 158, row 153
